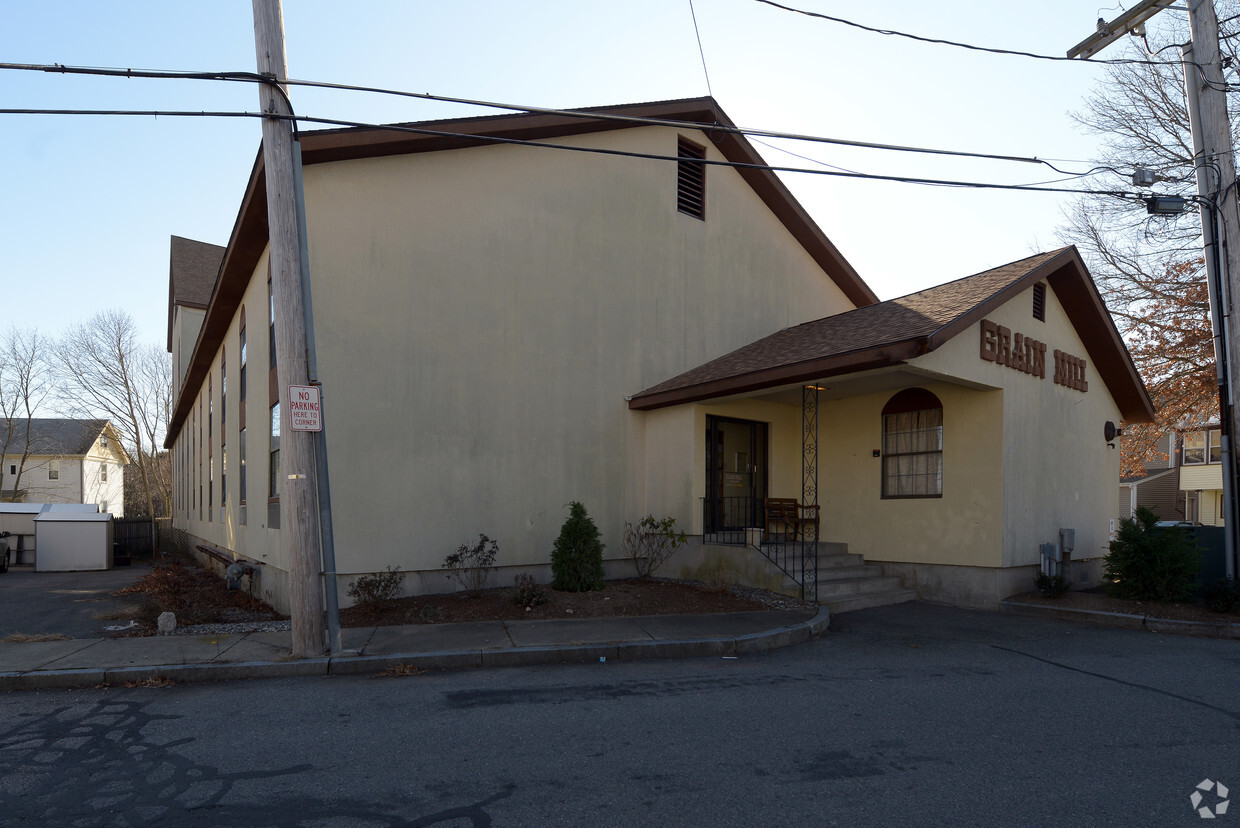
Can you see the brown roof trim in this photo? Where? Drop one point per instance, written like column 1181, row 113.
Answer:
column 249, row 234
column 880, row 357
column 1063, row 269
column 1093, row 323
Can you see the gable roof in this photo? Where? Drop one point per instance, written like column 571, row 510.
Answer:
column 1138, row 479
column 893, row 332
column 192, row 269
column 66, row 437
column 250, row 233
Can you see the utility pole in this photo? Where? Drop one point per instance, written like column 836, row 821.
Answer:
column 1220, row 220
column 299, row 524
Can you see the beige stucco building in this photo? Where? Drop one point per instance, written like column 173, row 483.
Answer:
column 503, row 328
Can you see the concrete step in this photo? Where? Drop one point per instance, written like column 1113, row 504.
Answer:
column 844, row 587
column 866, row 601
column 835, row 559
column 857, row 570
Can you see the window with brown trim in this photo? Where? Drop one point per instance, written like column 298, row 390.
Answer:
column 273, row 465
column 241, row 515
column 690, row 178
column 913, row 445
column 271, row 323
column 223, row 394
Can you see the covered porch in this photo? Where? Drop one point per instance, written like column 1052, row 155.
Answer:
column 797, row 472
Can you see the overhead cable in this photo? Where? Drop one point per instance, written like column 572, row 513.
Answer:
column 958, row 44
column 495, row 139
column 253, row 77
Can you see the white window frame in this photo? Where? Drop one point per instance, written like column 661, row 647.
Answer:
column 1210, row 447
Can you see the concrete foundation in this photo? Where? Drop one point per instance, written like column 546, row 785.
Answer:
column 979, row 587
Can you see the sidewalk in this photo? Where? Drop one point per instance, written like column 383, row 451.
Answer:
column 87, row 662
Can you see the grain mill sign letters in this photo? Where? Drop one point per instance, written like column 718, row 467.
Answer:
column 1024, row 353
column 303, row 408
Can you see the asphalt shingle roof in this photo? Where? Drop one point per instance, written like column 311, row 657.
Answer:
column 915, row 316
column 65, row 437
column 193, row 267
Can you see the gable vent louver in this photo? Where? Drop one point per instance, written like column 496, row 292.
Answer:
column 1039, row 302
column 690, row 179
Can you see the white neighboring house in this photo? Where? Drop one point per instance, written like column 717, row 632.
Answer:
column 69, row 461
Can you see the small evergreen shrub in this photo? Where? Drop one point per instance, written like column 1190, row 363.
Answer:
column 651, row 542
column 373, row 591
column 470, row 566
column 1222, row 596
column 1052, row 586
column 527, row 592
column 577, row 557
column 1150, row 563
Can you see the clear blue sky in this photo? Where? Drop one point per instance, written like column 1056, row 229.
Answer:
column 89, row 203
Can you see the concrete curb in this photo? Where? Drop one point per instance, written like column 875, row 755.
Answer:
column 759, row 642
column 1149, row 623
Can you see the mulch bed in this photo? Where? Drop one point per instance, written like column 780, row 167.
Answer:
column 622, row 598
column 196, row 596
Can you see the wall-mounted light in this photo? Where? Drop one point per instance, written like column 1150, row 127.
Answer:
column 1110, row 432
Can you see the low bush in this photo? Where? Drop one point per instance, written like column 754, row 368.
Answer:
column 1052, row 586
column 1150, row 563
column 470, row 566
column 651, row 542
column 577, row 557
column 373, row 591
column 527, row 592
column 1222, row 596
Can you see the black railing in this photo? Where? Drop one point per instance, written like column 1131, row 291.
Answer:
column 726, row 519
column 732, row 521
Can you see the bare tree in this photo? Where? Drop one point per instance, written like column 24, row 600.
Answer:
column 103, row 370
column 1150, row 269
column 24, row 385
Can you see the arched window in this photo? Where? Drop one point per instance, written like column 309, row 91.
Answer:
column 913, row 445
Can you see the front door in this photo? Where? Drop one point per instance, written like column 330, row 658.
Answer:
column 736, row 476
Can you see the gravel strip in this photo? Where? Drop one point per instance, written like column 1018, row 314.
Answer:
column 234, row 628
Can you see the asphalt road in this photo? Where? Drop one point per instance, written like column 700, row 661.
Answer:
column 908, row 715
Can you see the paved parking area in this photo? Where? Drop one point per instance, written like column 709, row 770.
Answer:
column 70, row 603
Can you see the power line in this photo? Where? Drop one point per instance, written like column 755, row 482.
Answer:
column 495, row 139
column 813, row 160
column 252, row 77
column 958, row 44
column 701, row 51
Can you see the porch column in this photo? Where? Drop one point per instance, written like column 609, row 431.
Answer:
column 809, row 491
column 809, row 446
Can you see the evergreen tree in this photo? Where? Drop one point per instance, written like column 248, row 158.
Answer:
column 577, row 558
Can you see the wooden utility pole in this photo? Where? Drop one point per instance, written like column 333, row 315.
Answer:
column 1216, row 181
column 1220, row 219
column 299, row 525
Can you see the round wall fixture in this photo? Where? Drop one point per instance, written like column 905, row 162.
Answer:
column 1111, row 432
